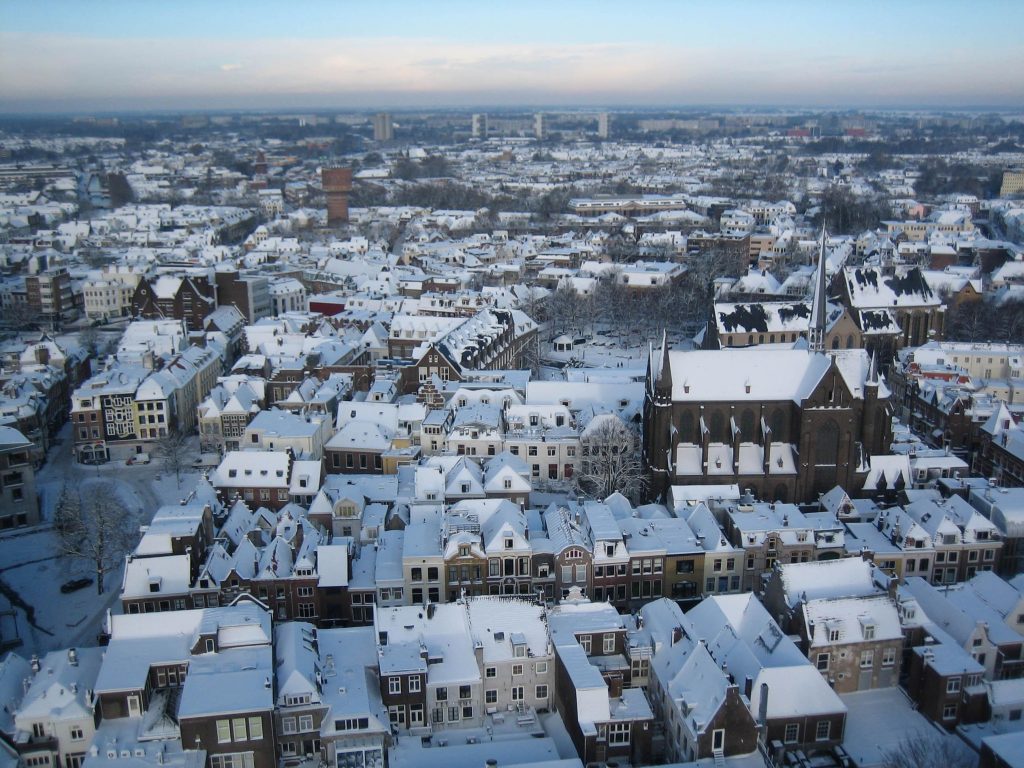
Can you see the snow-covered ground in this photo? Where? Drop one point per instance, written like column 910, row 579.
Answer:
column 878, row 720
column 603, row 350
column 32, row 566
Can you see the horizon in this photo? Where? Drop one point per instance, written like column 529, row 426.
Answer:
column 117, row 57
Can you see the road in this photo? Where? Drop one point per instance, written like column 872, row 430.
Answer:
column 61, row 468
column 33, row 567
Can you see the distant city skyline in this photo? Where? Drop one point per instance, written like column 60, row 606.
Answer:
column 65, row 56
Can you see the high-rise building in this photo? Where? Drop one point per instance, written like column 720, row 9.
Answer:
column 337, row 183
column 383, row 128
column 479, row 126
column 602, row 125
column 1013, row 183
column 539, row 125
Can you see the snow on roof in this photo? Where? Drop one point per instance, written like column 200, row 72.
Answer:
column 297, row 661
column 332, row 565
column 845, row 577
column 569, row 619
column 851, row 617
column 348, row 658
column 138, row 641
column 60, row 689
column 228, row 682
column 870, row 289
column 498, row 623
column 156, row 576
column 441, row 629
column 745, row 374
column 240, row 469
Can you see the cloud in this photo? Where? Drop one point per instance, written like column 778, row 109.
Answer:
column 39, row 70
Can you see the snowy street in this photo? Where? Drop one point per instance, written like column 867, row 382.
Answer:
column 32, row 569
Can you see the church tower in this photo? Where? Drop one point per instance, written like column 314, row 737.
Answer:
column 658, row 436
column 819, row 304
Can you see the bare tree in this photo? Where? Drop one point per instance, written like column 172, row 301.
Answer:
column 173, row 449
column 96, row 529
column 925, row 750
column 89, row 338
column 611, row 460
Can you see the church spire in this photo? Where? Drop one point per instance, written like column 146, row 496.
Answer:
column 819, row 303
column 872, row 379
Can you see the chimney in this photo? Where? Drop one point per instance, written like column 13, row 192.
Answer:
column 615, row 687
column 677, row 634
column 72, row 657
column 762, row 708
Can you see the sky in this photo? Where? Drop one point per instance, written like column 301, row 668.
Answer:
column 110, row 55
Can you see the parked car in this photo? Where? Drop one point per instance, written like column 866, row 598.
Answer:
column 75, row 584
column 138, row 458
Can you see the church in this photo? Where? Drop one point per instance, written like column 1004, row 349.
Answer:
column 787, row 422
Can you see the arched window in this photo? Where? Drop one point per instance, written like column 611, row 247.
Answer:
column 778, row 425
column 835, row 342
column 747, row 426
column 717, row 427
column 849, row 341
column 686, row 429
column 826, row 445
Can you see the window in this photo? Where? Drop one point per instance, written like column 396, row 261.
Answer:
column 823, row 731
column 517, row 670
column 256, row 728
column 542, row 692
column 441, row 694
column 608, row 643
column 394, row 685
column 585, row 643
column 414, row 684
column 305, row 723
column 288, row 725
column 490, row 672
column 238, row 728
column 618, row 733
column 542, row 667
column 822, row 663
column 415, row 715
column 867, row 659
column 76, row 733
column 792, row 733
column 888, row 657
column 949, row 712
column 223, row 731
column 232, row 760
column 953, row 685
column 490, row 697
